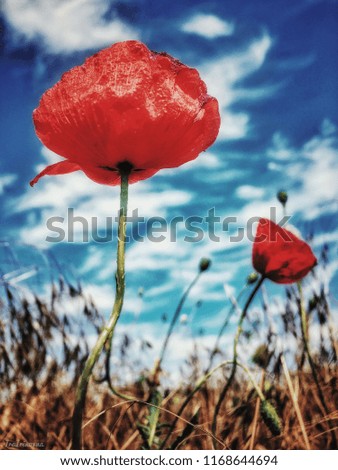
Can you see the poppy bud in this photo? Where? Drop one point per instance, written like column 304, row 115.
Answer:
column 204, row 264
column 282, row 197
column 252, row 278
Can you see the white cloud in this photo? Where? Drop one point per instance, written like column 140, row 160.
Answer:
column 253, row 209
column 223, row 76
column 208, row 26
column 280, row 148
column 65, row 26
column 206, row 161
column 322, row 238
column 5, row 181
column 311, row 171
column 249, row 192
column 157, row 291
column 328, row 128
column 89, row 200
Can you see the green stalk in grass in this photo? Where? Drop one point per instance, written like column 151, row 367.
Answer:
column 235, row 355
column 304, row 329
column 155, row 377
column 251, row 279
column 203, row 266
column 198, row 385
column 108, row 330
column 215, row 349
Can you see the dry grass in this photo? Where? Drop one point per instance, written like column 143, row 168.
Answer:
column 37, row 385
column 44, row 416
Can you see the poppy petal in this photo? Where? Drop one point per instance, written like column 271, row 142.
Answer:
column 112, row 177
column 60, row 168
column 279, row 255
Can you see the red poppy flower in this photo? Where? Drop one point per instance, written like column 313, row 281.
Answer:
column 279, row 255
column 126, row 104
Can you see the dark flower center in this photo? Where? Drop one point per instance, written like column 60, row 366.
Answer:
column 124, row 167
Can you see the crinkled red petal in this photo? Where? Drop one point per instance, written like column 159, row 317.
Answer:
column 128, row 103
column 279, row 255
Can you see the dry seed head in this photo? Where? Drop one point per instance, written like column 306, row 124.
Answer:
column 261, row 356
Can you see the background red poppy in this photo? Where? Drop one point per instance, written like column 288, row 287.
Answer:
column 279, row 255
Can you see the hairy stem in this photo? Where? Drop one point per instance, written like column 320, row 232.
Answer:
column 108, row 330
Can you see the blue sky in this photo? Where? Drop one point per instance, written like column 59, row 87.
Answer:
column 272, row 65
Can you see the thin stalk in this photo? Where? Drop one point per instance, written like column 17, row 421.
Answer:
column 198, row 385
column 234, row 363
column 304, row 328
column 331, row 330
column 174, row 320
column 224, row 327
column 108, row 330
column 295, row 403
column 255, row 385
column 155, row 381
column 256, row 415
column 107, row 378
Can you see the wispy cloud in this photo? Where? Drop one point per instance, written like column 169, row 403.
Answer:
column 151, row 198
column 223, row 77
column 208, row 26
column 311, row 171
column 280, row 148
column 249, row 192
column 65, row 26
column 6, row 181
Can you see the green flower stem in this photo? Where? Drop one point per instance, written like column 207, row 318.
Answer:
column 173, row 322
column 155, row 379
column 234, row 361
column 108, row 330
column 223, row 328
column 108, row 378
